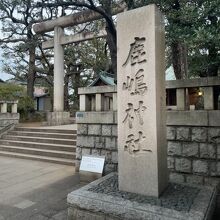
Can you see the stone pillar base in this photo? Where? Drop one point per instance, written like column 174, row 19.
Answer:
column 95, row 201
column 58, row 118
column 9, row 118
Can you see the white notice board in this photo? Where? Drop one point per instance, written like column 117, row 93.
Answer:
column 92, row 164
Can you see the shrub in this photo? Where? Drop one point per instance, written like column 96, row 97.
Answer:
column 10, row 92
column 25, row 106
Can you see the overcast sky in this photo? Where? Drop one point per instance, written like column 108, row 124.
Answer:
column 3, row 76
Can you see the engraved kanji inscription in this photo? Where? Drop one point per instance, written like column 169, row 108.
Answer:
column 135, row 145
column 129, row 115
column 140, row 112
column 128, row 84
column 140, row 85
column 135, row 85
column 137, row 52
column 131, row 112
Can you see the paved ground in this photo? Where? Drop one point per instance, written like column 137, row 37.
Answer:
column 39, row 125
column 34, row 190
column 64, row 127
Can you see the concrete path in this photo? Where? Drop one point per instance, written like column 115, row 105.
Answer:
column 33, row 190
column 64, row 127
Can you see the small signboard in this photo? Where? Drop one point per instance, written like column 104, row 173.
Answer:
column 93, row 164
column 79, row 114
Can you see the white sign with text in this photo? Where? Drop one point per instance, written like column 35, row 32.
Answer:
column 92, row 164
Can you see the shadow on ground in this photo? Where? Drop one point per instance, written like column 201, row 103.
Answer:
column 47, row 203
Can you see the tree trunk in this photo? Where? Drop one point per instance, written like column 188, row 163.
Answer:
column 178, row 48
column 213, row 65
column 31, row 72
column 213, row 52
column 112, row 43
column 66, row 93
column 76, row 85
column 179, row 59
column 111, row 35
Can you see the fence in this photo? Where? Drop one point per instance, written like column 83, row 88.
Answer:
column 193, row 136
column 8, row 115
column 190, row 94
column 4, row 106
column 99, row 98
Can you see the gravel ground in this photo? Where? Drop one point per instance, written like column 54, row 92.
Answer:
column 176, row 196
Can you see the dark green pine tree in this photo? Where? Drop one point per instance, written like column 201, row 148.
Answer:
column 192, row 35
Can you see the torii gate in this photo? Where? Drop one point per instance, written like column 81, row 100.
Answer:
column 60, row 40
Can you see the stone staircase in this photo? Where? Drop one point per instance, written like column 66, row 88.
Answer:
column 49, row 145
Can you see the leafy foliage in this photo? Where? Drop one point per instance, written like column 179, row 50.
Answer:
column 20, row 45
column 10, row 92
column 25, row 59
column 84, row 61
column 194, row 24
column 25, row 106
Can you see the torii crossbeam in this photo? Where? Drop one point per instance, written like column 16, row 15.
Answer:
column 60, row 39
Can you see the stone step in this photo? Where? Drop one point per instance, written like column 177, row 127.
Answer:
column 49, row 145
column 40, row 139
column 38, row 145
column 40, row 158
column 45, row 130
column 40, row 152
column 43, row 134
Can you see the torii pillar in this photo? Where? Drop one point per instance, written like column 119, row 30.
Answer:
column 58, row 116
column 58, row 102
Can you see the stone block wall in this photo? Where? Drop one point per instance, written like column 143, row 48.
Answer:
column 99, row 140
column 193, row 146
column 57, row 118
column 193, row 153
column 193, row 143
column 8, row 118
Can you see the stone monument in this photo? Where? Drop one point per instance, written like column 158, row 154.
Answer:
column 141, row 94
column 141, row 190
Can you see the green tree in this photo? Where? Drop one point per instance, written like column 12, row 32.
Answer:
column 18, row 41
column 25, row 106
column 83, row 62
column 37, row 65
column 103, row 7
column 192, row 37
column 10, row 92
column 204, row 44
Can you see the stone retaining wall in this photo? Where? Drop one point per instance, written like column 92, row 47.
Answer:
column 193, row 143
column 193, row 146
column 97, row 139
column 193, row 153
column 8, row 118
